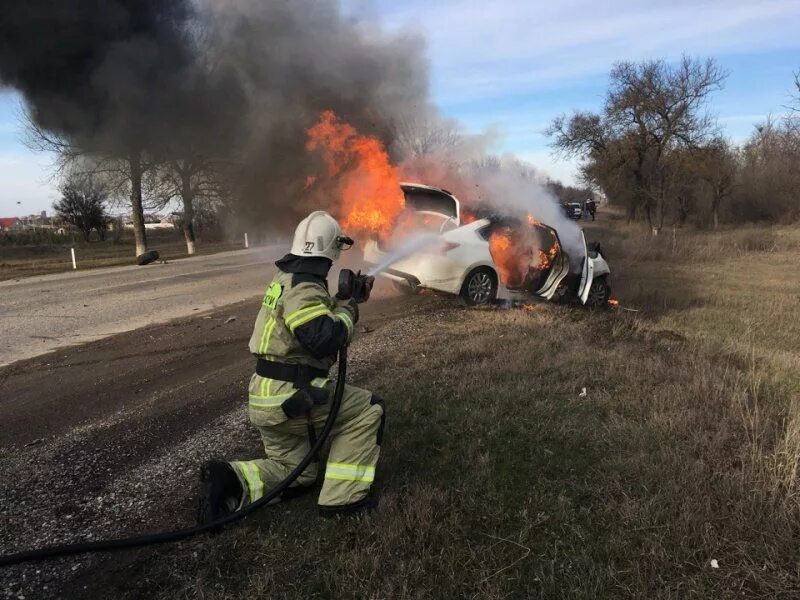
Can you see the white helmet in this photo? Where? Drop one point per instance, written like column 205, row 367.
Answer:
column 319, row 234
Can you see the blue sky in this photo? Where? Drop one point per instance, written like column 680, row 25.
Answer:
column 513, row 65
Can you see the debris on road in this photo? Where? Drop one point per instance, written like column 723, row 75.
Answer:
column 230, row 319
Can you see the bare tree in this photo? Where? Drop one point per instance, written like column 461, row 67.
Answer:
column 190, row 179
column 123, row 173
column 716, row 165
column 82, row 205
column 651, row 110
column 769, row 174
column 423, row 134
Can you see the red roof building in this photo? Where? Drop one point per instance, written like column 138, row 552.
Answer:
column 6, row 222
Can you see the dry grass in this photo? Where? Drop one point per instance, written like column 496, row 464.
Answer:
column 736, row 294
column 26, row 261
column 499, row 481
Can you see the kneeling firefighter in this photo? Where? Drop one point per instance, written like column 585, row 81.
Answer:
column 297, row 334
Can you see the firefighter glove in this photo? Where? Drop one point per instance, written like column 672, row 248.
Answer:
column 303, row 400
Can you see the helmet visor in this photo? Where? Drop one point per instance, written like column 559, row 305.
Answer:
column 344, row 243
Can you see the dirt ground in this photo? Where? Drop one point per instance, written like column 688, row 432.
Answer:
column 105, row 438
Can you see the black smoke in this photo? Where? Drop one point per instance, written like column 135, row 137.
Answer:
column 104, row 73
column 238, row 80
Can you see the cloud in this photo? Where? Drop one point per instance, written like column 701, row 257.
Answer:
column 482, row 51
column 513, row 64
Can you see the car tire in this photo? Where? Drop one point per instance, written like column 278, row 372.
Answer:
column 599, row 293
column 145, row 258
column 479, row 287
column 406, row 289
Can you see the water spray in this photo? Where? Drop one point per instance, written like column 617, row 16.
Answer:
column 410, row 245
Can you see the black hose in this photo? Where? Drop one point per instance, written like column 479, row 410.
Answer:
column 176, row 535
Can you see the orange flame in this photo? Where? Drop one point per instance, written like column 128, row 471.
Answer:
column 613, row 302
column 511, row 259
column 369, row 185
column 518, row 257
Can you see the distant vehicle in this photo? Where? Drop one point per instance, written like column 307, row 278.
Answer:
column 463, row 264
column 573, row 210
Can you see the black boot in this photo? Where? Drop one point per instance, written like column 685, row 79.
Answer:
column 362, row 507
column 220, row 492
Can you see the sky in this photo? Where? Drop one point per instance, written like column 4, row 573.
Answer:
column 511, row 66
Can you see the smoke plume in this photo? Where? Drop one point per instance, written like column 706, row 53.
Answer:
column 239, row 81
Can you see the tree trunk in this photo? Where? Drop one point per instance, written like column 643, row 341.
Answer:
column 659, row 215
column 187, row 194
column 716, row 201
column 137, row 212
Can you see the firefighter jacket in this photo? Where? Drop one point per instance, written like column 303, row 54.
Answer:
column 299, row 322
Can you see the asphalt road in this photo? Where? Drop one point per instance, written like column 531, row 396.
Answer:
column 41, row 314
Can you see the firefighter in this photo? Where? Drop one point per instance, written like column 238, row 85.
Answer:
column 298, row 331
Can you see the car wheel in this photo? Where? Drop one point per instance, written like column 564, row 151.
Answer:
column 599, row 293
column 406, row 289
column 479, row 287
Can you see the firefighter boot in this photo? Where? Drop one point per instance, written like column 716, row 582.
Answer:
column 362, row 507
column 220, row 492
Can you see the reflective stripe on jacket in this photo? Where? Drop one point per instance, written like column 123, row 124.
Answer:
column 298, row 323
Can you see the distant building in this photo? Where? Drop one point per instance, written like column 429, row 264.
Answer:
column 34, row 222
column 8, row 223
column 153, row 221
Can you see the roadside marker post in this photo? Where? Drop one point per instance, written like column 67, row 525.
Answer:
column 246, row 243
column 74, row 264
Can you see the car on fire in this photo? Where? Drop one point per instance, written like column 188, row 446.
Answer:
column 463, row 263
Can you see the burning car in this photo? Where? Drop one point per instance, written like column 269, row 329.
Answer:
column 488, row 257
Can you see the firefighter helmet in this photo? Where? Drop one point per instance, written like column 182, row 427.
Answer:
column 319, row 234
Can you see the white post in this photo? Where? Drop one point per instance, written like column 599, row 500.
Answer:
column 74, row 264
column 246, row 243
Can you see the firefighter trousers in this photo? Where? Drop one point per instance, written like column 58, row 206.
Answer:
column 354, row 445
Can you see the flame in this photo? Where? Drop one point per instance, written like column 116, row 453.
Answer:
column 511, row 259
column 545, row 258
column 613, row 302
column 368, row 184
column 518, row 255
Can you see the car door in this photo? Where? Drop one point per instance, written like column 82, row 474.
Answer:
column 587, row 271
column 559, row 266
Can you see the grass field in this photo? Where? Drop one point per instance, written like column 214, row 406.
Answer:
column 26, row 261
column 498, row 480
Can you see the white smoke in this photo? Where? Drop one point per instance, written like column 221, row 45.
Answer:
column 516, row 188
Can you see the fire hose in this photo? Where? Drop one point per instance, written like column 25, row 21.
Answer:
column 351, row 285
column 176, row 535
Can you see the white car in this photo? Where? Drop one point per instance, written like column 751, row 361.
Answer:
column 462, row 263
